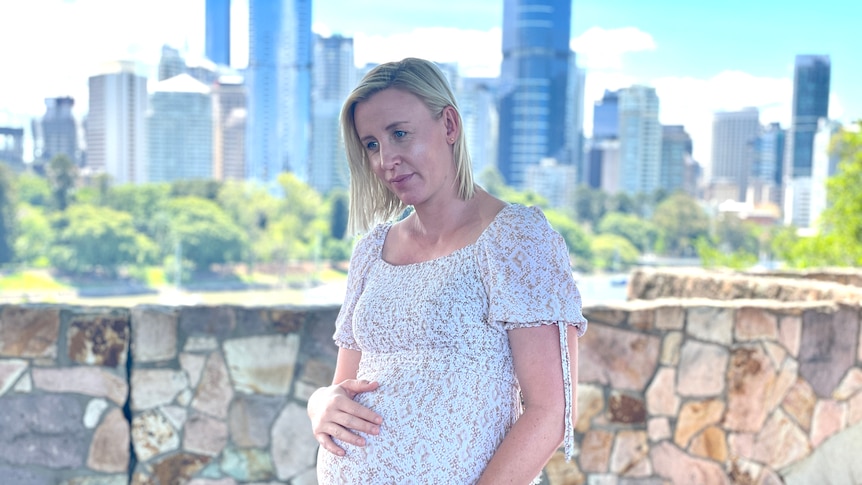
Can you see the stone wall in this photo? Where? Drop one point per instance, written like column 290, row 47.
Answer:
column 672, row 391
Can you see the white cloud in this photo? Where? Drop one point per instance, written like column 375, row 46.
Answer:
column 600, row 48
column 477, row 53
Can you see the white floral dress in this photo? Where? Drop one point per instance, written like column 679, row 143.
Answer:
column 434, row 335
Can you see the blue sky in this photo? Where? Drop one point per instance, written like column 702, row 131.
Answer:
column 701, row 57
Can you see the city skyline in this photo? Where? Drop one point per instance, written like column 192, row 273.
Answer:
column 700, row 60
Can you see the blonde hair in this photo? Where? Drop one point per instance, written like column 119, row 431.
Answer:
column 370, row 201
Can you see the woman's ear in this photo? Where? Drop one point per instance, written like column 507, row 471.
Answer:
column 452, row 123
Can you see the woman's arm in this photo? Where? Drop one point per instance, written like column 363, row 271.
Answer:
column 334, row 413
column 538, row 433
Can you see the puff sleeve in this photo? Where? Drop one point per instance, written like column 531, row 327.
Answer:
column 530, row 283
column 364, row 254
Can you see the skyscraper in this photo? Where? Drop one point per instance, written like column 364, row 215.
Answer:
column 810, row 103
column 734, row 152
column 179, row 127
column 606, row 132
column 56, row 133
column 229, row 122
column 116, row 123
column 218, row 31
column 676, row 150
column 640, row 140
column 334, row 77
column 477, row 102
column 279, row 83
column 534, row 80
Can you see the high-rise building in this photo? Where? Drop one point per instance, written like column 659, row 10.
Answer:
column 824, row 165
column 56, row 133
column 810, row 104
column 12, row 147
column 229, row 120
column 534, row 78
column 217, row 34
column 767, row 175
column 334, row 76
column 734, row 152
column 279, row 83
column 676, row 150
column 116, row 123
column 477, row 102
column 640, row 140
column 171, row 63
column 606, row 122
column 553, row 181
column 180, row 127
column 574, row 128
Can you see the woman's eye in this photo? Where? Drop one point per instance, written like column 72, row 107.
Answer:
column 400, row 133
column 371, row 145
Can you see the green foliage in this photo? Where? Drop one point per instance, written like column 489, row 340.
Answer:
column 8, row 220
column 34, row 236
column 613, row 253
column 576, row 239
column 736, row 234
column 204, row 189
column 712, row 257
column 206, row 234
column 680, row 221
column 62, row 174
column 339, row 206
column 493, row 182
column 97, row 239
column 33, row 189
column 590, row 205
column 641, row 233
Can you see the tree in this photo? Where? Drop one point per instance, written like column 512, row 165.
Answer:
column 33, row 189
column 680, row 221
column 204, row 231
column 62, row 174
column 590, row 204
column 613, row 253
column 841, row 222
column 8, row 224
column 35, row 235
column 576, row 239
column 637, row 231
column 252, row 209
column 98, row 239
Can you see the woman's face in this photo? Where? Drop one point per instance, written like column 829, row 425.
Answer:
column 408, row 148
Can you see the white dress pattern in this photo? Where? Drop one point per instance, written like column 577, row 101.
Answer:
column 434, row 335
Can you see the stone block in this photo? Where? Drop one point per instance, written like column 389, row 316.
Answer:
column 251, row 417
column 248, row 465
column 29, row 332
column 780, row 442
column 749, row 376
column 178, row 468
column 116, row 479
column 204, row 435
column 153, row 434
column 109, row 450
column 193, row 365
column 670, row 318
column 710, row 443
column 606, row 315
column 264, row 364
column 99, row 339
column 293, row 445
column 155, row 334
column 87, row 380
column 790, row 333
column 828, row 348
column 661, row 397
column 156, row 387
column 626, row 409
column 94, row 411
column 591, row 402
column 850, row 384
column 596, row 451
column 694, row 417
column 799, row 403
column 44, row 430
column 10, row 371
column 829, row 418
column 712, row 324
column 670, row 346
column 559, row 472
column 658, row 429
column 630, row 454
column 26, row 476
column 211, row 321
column 643, row 319
column 702, row 368
column 214, row 392
column 623, row 359
column 755, row 324
column 678, row 467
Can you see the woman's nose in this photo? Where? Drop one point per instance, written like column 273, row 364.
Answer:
column 389, row 157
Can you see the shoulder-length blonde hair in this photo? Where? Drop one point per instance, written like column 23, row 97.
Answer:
column 370, row 201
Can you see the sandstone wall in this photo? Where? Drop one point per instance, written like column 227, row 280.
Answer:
column 674, row 391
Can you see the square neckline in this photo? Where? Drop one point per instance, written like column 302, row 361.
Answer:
column 385, row 231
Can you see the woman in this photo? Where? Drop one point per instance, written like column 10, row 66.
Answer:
column 455, row 317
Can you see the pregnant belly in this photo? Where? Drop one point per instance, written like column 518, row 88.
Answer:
column 436, row 429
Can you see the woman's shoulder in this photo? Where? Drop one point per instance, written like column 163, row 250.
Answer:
column 518, row 220
column 370, row 244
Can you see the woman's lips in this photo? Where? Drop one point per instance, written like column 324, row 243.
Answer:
column 400, row 179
